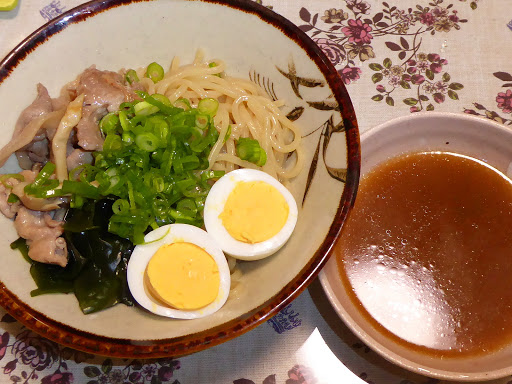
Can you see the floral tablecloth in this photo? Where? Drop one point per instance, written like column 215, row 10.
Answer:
column 396, row 57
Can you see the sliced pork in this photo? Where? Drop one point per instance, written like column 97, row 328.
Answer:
column 33, row 202
column 43, row 235
column 104, row 92
column 37, row 149
column 8, row 209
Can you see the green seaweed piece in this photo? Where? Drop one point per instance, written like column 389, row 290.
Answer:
column 97, row 260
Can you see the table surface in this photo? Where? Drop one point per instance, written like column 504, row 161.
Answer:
column 457, row 56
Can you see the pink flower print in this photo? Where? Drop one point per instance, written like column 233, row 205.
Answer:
column 437, row 62
column 428, row 88
column 504, row 100
column 357, row 32
column 331, row 50
column 381, row 88
column 453, row 17
column 441, row 86
column 414, row 109
column 58, row 378
column 443, row 24
column 427, row 19
column 440, row 12
column 423, row 66
column 394, row 81
column 396, row 70
column 349, row 74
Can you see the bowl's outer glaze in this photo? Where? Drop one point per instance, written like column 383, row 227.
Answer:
column 431, row 131
column 114, row 34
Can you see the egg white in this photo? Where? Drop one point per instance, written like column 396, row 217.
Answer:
column 214, row 206
column 169, row 234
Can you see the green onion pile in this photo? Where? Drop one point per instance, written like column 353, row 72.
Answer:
column 154, row 161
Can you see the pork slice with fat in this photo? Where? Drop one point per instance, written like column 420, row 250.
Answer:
column 43, row 235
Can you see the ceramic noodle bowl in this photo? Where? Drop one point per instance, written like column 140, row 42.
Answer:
column 256, row 44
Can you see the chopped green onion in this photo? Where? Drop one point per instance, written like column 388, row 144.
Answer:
column 212, row 175
column 131, row 76
column 42, row 183
column 127, row 107
column 109, row 123
column 127, row 137
column 144, row 108
column 16, row 176
column 13, row 198
column 213, row 64
column 152, row 164
column 202, row 121
column 147, row 141
column 81, row 189
column 77, row 201
column 162, row 99
column 250, row 150
column 208, row 106
column 44, row 174
column 120, row 207
column 126, row 124
column 183, row 104
column 112, row 143
column 155, row 72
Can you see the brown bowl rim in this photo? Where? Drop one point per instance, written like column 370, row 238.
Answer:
column 175, row 347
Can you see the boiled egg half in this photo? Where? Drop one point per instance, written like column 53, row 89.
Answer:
column 250, row 214
column 179, row 272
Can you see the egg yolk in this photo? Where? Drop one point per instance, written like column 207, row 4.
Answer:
column 183, row 276
column 254, row 212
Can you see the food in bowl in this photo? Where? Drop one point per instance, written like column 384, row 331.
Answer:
column 250, row 214
column 426, row 253
column 180, row 272
column 119, row 154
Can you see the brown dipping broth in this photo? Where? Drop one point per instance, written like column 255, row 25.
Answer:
column 426, row 254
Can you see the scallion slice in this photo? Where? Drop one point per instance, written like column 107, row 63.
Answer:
column 250, row 150
column 155, row 72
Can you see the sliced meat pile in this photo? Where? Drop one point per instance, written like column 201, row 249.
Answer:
column 103, row 92
column 37, row 151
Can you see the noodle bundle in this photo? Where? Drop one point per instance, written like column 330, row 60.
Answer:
column 245, row 110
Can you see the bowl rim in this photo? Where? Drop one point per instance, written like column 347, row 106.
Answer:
column 357, row 329
column 183, row 345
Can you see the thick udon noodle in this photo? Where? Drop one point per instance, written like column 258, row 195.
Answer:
column 244, row 106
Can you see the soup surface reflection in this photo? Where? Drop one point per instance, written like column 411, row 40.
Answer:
column 427, row 253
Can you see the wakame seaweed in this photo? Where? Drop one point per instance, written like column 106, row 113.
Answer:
column 96, row 269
